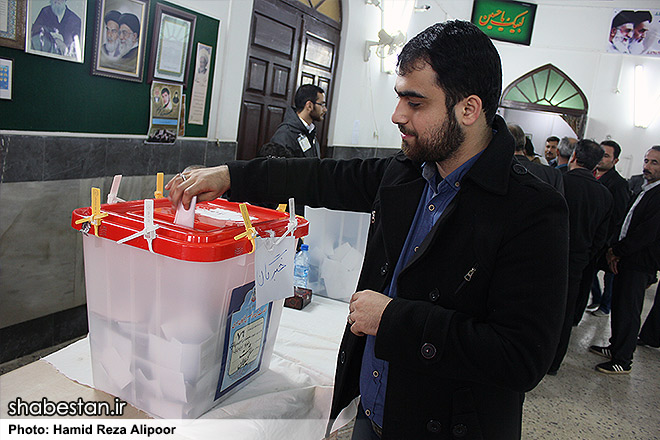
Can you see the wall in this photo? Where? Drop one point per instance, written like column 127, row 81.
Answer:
column 44, row 175
column 569, row 34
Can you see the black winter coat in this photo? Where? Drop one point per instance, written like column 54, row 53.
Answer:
column 478, row 314
column 589, row 210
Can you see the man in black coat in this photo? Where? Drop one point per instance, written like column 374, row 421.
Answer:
column 607, row 175
column 549, row 175
column 297, row 132
column 456, row 315
column 589, row 211
column 634, row 258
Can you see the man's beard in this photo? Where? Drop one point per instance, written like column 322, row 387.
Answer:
column 441, row 144
column 636, row 47
column 600, row 167
column 620, row 43
column 110, row 47
column 126, row 46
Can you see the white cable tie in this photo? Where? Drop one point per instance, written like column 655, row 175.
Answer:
column 293, row 222
column 114, row 190
column 149, row 231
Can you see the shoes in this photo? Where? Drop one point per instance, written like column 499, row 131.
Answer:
column 592, row 307
column 612, row 367
column 552, row 373
column 601, row 351
column 599, row 313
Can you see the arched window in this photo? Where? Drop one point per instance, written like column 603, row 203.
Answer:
column 548, row 89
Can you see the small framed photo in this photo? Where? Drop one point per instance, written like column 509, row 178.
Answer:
column 120, row 39
column 56, row 29
column 6, row 77
column 171, row 44
column 12, row 24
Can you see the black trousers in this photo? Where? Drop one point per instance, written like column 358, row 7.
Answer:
column 582, row 297
column 567, row 327
column 650, row 333
column 627, row 301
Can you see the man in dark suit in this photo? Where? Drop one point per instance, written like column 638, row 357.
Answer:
column 634, row 258
column 589, row 210
column 606, row 174
column 549, row 175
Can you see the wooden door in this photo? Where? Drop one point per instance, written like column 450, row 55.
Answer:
column 288, row 48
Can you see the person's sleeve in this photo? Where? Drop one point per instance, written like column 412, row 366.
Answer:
column 349, row 185
column 621, row 197
column 560, row 181
column 600, row 237
column 514, row 344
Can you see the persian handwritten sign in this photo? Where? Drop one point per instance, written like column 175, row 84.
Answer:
column 273, row 268
column 505, row 20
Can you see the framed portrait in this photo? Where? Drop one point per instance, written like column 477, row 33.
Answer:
column 56, row 29
column 171, row 44
column 120, row 39
column 6, row 77
column 12, row 24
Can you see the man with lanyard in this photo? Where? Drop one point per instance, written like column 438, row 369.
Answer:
column 634, row 259
column 470, row 316
column 297, row 132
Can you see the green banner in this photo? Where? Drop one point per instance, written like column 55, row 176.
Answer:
column 505, row 20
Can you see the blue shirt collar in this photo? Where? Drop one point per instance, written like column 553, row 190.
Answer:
column 432, row 176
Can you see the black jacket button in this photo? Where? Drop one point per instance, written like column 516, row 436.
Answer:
column 428, row 351
column 342, row 356
column 433, row 426
column 383, row 269
column 434, row 295
column 459, row 430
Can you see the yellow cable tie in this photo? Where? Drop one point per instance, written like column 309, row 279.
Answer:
column 281, row 207
column 97, row 215
column 250, row 232
column 158, row 194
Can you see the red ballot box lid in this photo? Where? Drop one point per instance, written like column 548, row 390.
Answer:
column 217, row 222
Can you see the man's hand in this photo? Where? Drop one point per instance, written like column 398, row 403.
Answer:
column 205, row 183
column 612, row 261
column 366, row 308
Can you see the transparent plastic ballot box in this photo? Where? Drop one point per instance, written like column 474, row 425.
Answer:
column 337, row 242
column 173, row 324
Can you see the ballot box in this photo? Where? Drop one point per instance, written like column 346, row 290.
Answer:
column 337, row 242
column 173, row 324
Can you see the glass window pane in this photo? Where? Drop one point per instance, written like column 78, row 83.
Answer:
column 515, row 95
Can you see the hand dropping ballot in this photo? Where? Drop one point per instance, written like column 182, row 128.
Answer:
column 273, row 263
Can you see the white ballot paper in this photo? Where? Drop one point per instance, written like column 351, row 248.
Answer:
column 273, row 268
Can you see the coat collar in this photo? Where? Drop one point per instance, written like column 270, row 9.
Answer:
column 491, row 170
column 582, row 172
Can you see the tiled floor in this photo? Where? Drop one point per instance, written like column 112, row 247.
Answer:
column 578, row 403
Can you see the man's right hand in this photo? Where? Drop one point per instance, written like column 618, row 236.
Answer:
column 205, row 183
